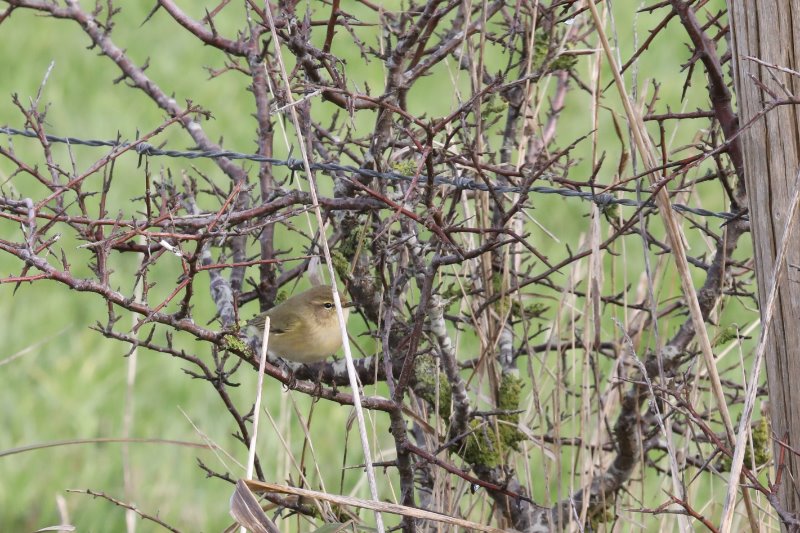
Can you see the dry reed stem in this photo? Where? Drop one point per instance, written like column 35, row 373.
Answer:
column 377, row 506
column 744, row 423
column 677, row 240
column 127, row 416
column 354, row 384
column 251, row 453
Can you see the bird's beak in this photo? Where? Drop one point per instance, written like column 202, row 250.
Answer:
column 348, row 304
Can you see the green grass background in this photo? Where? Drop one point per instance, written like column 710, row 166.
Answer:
column 69, row 382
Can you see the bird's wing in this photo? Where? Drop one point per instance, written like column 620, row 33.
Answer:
column 287, row 322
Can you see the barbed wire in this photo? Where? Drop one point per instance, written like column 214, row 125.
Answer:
column 603, row 200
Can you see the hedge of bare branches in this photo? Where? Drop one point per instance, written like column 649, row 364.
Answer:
column 548, row 373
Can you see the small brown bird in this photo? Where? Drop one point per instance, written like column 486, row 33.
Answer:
column 304, row 328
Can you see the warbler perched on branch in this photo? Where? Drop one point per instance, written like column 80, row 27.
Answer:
column 305, row 327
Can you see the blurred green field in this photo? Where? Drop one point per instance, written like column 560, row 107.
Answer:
column 63, row 381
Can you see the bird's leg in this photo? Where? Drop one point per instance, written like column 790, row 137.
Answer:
column 318, row 383
column 292, row 382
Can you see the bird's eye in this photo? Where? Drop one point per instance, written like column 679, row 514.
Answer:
column 328, row 305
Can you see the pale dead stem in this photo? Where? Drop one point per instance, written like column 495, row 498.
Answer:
column 778, row 271
column 677, row 240
column 351, row 372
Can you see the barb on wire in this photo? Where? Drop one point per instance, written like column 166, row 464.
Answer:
column 459, row 182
